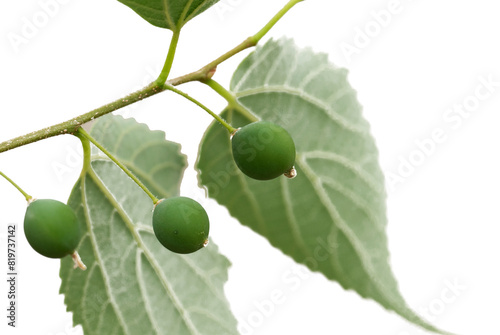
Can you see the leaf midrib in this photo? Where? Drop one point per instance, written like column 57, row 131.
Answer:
column 292, row 222
column 361, row 252
column 95, row 250
column 170, row 292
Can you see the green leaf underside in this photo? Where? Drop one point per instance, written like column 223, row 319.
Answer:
column 332, row 216
column 132, row 284
column 169, row 14
column 158, row 165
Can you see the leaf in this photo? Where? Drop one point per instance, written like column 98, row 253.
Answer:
column 169, row 14
column 332, row 216
column 132, row 284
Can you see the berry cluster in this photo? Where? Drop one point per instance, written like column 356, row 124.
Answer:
column 261, row 150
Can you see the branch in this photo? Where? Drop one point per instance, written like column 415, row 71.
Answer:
column 203, row 74
column 71, row 126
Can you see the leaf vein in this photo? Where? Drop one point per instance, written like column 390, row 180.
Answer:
column 254, row 65
column 351, row 237
column 329, row 111
column 196, row 10
column 292, row 221
column 355, row 199
column 128, row 222
column 349, row 164
column 140, row 280
column 97, row 254
column 203, row 278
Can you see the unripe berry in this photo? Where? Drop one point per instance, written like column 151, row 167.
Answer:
column 51, row 228
column 181, row 224
column 263, row 150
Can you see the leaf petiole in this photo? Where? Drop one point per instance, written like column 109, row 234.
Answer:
column 87, row 136
column 26, row 195
column 162, row 78
column 86, row 153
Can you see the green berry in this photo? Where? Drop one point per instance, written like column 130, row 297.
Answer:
column 181, row 224
column 51, row 228
column 263, row 150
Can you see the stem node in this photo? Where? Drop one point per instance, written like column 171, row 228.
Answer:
column 159, row 85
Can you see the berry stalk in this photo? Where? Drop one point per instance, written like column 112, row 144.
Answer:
column 26, row 195
column 86, row 135
column 257, row 37
column 214, row 115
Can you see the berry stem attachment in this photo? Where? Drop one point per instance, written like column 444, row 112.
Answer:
column 214, row 115
column 83, row 133
column 78, row 261
column 26, row 195
column 162, row 78
column 232, row 101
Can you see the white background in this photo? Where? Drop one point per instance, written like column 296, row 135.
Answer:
column 426, row 58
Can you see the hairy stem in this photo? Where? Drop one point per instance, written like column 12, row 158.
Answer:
column 207, row 71
column 203, row 74
column 71, row 126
